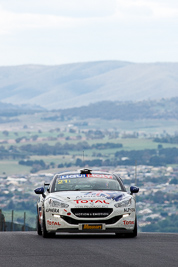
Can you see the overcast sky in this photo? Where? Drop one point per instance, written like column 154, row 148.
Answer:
column 66, row 31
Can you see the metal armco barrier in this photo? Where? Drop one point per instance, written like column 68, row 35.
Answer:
column 14, row 222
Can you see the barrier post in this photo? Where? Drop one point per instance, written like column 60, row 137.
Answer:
column 12, row 220
column 24, row 221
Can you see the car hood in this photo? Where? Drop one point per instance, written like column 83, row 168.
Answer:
column 71, row 196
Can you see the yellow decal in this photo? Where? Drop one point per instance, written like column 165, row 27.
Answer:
column 63, row 181
column 92, row 227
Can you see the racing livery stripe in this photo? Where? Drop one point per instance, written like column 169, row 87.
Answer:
column 72, row 176
column 99, row 176
column 85, row 175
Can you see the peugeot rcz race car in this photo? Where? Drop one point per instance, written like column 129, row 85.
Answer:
column 86, row 201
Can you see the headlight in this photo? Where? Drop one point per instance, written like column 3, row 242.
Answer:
column 123, row 203
column 56, row 203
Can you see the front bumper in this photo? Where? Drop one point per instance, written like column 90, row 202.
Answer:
column 118, row 222
column 108, row 230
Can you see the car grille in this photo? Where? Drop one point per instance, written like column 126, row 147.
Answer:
column 109, row 221
column 92, row 212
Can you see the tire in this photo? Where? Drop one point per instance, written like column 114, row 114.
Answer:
column 45, row 233
column 129, row 235
column 134, row 234
column 39, row 232
column 52, row 234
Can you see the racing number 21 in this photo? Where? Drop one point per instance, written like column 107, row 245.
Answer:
column 63, row 181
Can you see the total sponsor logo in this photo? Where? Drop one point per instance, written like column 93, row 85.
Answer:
column 53, row 223
column 79, row 201
column 128, row 222
column 129, row 210
column 52, row 210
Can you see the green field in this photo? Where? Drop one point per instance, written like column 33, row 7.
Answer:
column 10, row 167
column 37, row 131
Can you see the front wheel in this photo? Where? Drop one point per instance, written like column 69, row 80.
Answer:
column 134, row 234
column 39, row 232
column 131, row 235
column 45, row 233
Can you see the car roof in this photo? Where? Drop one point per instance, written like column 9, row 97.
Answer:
column 83, row 171
column 79, row 172
column 87, row 171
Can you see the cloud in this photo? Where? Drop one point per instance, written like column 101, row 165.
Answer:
column 58, row 31
column 140, row 9
column 69, row 8
column 38, row 14
column 94, row 8
column 10, row 21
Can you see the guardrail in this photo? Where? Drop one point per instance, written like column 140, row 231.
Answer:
column 14, row 222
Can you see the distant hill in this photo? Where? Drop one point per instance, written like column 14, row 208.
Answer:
column 110, row 110
column 10, row 110
column 75, row 85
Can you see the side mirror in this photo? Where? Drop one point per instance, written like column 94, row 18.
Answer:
column 134, row 190
column 39, row 191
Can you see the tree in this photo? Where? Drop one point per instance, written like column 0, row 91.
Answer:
column 6, row 133
column 174, row 181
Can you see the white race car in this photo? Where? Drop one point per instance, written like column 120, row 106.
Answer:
column 86, row 201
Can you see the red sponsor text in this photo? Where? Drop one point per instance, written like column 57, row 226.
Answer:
column 52, row 223
column 128, row 222
column 79, row 201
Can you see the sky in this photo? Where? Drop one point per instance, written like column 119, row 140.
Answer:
column 55, row 32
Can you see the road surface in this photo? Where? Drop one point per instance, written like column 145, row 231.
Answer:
column 70, row 250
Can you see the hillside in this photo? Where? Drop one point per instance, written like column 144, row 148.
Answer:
column 75, row 85
column 111, row 110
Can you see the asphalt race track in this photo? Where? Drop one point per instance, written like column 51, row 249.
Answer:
column 30, row 250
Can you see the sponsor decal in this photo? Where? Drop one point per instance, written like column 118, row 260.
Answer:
column 52, row 223
column 72, row 176
column 129, row 210
column 40, row 215
column 86, row 175
column 52, row 210
column 92, row 227
column 99, row 176
column 89, row 195
column 118, row 197
column 109, row 195
column 63, row 181
column 128, row 222
column 79, row 201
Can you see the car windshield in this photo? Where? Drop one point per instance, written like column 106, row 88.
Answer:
column 78, row 184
